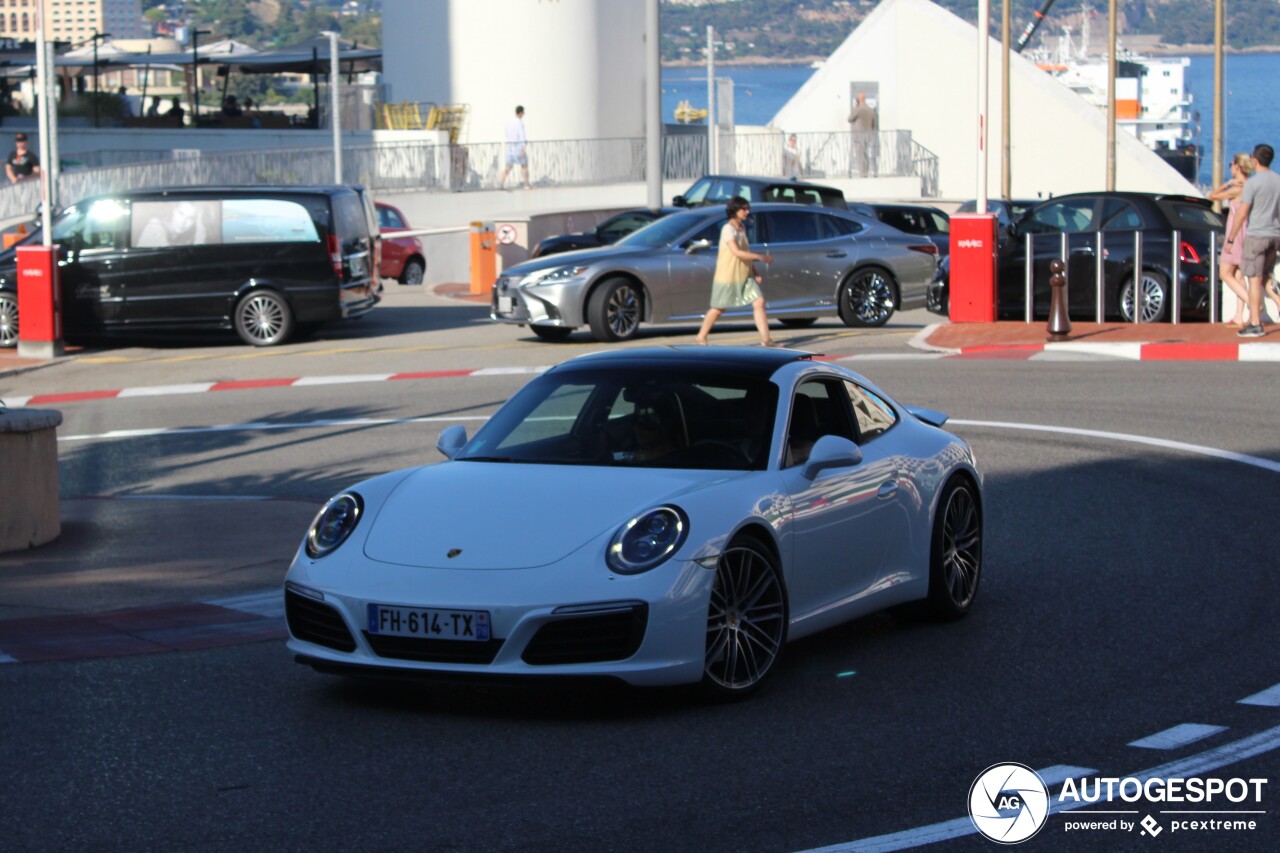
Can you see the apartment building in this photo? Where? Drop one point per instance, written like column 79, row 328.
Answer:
column 73, row 21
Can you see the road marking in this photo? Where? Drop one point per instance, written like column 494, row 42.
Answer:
column 1178, row 736
column 1059, row 773
column 342, row 380
column 1193, row 765
column 268, row 604
column 162, row 390
column 1229, row 455
column 1269, row 698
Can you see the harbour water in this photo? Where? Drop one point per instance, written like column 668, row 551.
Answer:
column 1252, row 112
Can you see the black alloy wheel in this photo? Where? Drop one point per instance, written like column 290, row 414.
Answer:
column 746, row 621
column 8, row 320
column 955, row 557
column 614, row 310
column 868, row 298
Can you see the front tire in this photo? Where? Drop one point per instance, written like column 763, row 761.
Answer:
column 955, row 556
column 8, row 320
column 614, row 310
column 1154, row 298
column 415, row 269
column 263, row 318
column 868, row 298
column 746, row 622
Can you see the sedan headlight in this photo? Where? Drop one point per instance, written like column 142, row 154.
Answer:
column 334, row 524
column 555, row 275
column 647, row 540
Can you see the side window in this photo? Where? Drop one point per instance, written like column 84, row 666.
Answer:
column 722, row 191
column 622, row 225
column 873, row 414
column 1069, row 216
column 837, row 226
column 388, row 218
column 698, row 191
column 710, row 233
column 1119, row 215
column 348, row 214
column 159, row 224
column 265, row 220
column 816, row 410
column 941, row 225
column 793, row 226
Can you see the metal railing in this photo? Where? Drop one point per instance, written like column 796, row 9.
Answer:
column 434, row 166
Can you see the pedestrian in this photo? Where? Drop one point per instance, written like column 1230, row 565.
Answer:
column 176, row 111
column 736, row 282
column 1260, row 212
column 791, row 158
column 863, row 124
column 1231, row 255
column 22, row 164
column 517, row 149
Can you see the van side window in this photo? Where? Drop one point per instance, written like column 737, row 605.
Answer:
column 160, row 224
column 266, row 220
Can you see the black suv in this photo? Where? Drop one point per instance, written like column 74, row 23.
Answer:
column 718, row 189
column 1114, row 216
column 265, row 261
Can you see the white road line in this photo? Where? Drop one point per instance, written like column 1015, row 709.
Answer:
column 1269, row 698
column 1259, row 352
column 6, row 659
column 1193, row 765
column 342, row 380
column 508, row 371
column 251, row 426
column 16, row 402
column 1132, row 352
column 1178, row 736
column 1256, row 461
column 269, row 603
column 163, row 390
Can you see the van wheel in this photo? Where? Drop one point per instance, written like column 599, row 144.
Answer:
column 614, row 310
column 263, row 319
column 8, row 320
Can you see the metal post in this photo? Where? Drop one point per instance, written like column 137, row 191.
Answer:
column 984, row 56
column 1111, row 98
column 53, row 163
column 1214, row 284
column 1137, row 277
column 95, row 78
column 43, row 124
column 335, row 85
column 1031, row 275
column 653, row 105
column 711, row 100
column 1175, row 288
column 1064, row 252
column 1006, row 133
column 1099, row 277
column 1219, row 27
column 195, row 74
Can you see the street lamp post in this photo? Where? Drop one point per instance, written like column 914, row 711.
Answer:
column 97, row 37
column 335, row 102
column 195, row 74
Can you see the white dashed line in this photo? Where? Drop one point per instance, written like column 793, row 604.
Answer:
column 1178, row 736
column 165, row 390
column 343, row 380
column 269, row 604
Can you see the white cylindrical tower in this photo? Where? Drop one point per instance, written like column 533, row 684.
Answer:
column 576, row 66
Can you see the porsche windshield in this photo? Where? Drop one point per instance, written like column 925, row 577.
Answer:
column 654, row 418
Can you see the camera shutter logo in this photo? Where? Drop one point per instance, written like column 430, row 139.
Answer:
column 1008, row 803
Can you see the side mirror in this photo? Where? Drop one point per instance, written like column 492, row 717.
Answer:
column 678, row 201
column 831, row 451
column 697, row 246
column 452, row 440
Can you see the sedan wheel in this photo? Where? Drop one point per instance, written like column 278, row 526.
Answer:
column 746, row 622
column 868, row 298
column 263, row 319
column 413, row 272
column 8, row 320
column 614, row 310
column 1155, row 298
column 955, row 566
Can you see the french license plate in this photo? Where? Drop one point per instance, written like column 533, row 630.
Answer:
column 504, row 304
column 471, row 625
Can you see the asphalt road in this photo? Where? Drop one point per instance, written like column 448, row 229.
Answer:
column 1129, row 588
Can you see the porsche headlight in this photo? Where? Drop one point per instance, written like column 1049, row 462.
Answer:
column 556, row 275
column 334, row 524
column 647, row 540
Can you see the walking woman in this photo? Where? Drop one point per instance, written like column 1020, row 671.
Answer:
column 736, row 281
column 1230, row 257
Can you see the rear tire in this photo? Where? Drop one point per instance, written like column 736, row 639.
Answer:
column 614, row 310
column 868, row 298
column 8, row 320
column 263, row 318
column 552, row 333
column 414, row 271
column 955, row 555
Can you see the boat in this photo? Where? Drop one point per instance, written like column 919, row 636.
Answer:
column 1152, row 98
column 685, row 113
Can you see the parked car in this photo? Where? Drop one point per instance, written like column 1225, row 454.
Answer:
column 919, row 219
column 606, row 233
column 402, row 257
column 710, row 504
column 267, row 261
column 1007, row 211
column 718, row 189
column 825, row 262
column 1116, row 215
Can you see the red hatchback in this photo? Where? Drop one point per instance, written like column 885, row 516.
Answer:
column 402, row 257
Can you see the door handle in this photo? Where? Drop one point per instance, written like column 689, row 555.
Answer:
column 887, row 490
column 837, row 254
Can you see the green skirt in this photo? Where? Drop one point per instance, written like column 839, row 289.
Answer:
column 724, row 296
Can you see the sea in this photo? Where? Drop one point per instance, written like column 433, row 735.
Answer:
column 1252, row 113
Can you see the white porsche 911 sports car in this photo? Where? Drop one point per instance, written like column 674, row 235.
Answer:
column 660, row 516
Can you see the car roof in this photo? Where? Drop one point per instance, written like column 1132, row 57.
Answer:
column 761, row 361
column 781, row 182
column 236, row 189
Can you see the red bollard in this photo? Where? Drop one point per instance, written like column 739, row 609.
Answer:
column 39, row 311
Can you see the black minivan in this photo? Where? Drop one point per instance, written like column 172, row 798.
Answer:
column 267, row 261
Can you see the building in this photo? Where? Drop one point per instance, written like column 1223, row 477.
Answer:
column 73, row 21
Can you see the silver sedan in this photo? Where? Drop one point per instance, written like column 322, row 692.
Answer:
column 825, row 262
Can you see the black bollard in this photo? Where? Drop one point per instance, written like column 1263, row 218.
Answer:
column 1059, row 322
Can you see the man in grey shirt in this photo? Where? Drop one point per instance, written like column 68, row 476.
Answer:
column 862, row 121
column 1260, row 206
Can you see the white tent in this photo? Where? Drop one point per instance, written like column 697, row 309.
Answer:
column 921, row 62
